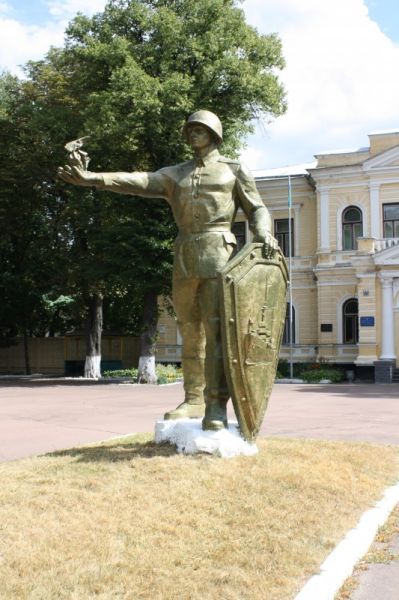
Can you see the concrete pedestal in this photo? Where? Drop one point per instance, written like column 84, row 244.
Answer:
column 189, row 438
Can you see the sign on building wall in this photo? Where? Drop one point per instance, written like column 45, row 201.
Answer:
column 366, row 321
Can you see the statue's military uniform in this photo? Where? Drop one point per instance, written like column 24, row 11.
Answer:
column 204, row 194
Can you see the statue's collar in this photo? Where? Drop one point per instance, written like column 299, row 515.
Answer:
column 211, row 157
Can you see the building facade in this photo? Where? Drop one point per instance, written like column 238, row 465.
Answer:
column 345, row 257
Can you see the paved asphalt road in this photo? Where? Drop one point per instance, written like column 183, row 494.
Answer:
column 38, row 416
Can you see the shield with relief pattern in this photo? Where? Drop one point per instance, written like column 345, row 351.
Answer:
column 252, row 290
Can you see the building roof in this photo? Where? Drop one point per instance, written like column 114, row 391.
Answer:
column 285, row 171
column 345, row 151
column 384, row 131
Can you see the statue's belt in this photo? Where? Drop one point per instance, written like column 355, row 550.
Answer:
column 192, row 236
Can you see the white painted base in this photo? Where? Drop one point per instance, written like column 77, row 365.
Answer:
column 189, row 438
column 146, row 370
column 92, row 367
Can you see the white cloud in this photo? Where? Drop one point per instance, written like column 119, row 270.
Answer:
column 340, row 77
column 20, row 43
column 66, row 9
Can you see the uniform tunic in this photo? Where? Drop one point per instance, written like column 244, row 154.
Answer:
column 204, row 195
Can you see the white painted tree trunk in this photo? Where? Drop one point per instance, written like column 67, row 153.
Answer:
column 146, row 370
column 93, row 336
column 92, row 367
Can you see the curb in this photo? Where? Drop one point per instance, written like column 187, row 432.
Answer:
column 339, row 565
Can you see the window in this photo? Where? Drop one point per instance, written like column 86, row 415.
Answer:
column 239, row 231
column 350, row 314
column 281, row 234
column 352, row 227
column 391, row 220
column 286, row 333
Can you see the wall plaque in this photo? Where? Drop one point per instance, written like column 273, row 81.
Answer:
column 366, row 321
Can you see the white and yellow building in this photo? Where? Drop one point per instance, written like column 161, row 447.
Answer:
column 345, row 263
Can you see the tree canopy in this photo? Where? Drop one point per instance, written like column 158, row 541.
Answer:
column 128, row 77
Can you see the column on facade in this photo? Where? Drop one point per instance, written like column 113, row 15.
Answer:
column 367, row 345
column 324, row 219
column 375, row 225
column 388, row 328
column 295, row 250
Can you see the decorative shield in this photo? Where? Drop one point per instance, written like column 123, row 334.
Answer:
column 252, row 291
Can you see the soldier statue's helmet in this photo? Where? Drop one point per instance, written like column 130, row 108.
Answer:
column 206, row 118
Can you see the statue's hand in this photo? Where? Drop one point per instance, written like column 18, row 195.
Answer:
column 76, row 170
column 270, row 244
column 78, row 176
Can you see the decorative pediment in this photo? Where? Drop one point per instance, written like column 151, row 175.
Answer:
column 388, row 257
column 386, row 160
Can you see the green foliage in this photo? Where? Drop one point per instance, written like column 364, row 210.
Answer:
column 142, row 66
column 316, row 375
column 132, row 373
column 168, row 373
column 283, row 368
column 128, row 76
column 30, row 265
column 310, row 372
column 165, row 373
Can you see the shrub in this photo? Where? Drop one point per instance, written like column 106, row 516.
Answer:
column 316, row 375
column 165, row 373
column 168, row 373
column 132, row 373
column 282, row 369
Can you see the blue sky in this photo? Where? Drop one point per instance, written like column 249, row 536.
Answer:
column 31, row 13
column 386, row 14
column 341, row 76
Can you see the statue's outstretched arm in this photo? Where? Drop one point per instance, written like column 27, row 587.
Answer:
column 150, row 185
column 77, row 176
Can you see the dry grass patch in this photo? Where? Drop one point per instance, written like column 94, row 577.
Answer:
column 131, row 520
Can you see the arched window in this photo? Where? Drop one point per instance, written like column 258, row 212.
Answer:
column 286, row 334
column 350, row 321
column 352, row 227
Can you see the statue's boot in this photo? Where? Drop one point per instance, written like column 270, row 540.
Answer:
column 193, row 406
column 216, row 394
column 215, row 415
column 186, row 410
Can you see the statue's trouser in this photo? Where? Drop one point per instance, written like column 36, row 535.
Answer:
column 196, row 303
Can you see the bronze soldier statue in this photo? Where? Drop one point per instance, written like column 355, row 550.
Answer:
column 204, row 194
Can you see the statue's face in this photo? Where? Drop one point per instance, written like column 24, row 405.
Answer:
column 199, row 137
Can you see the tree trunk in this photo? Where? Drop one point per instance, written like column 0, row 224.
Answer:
column 146, row 370
column 26, row 352
column 93, row 336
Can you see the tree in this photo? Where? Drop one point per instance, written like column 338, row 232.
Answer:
column 28, row 255
column 129, row 77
